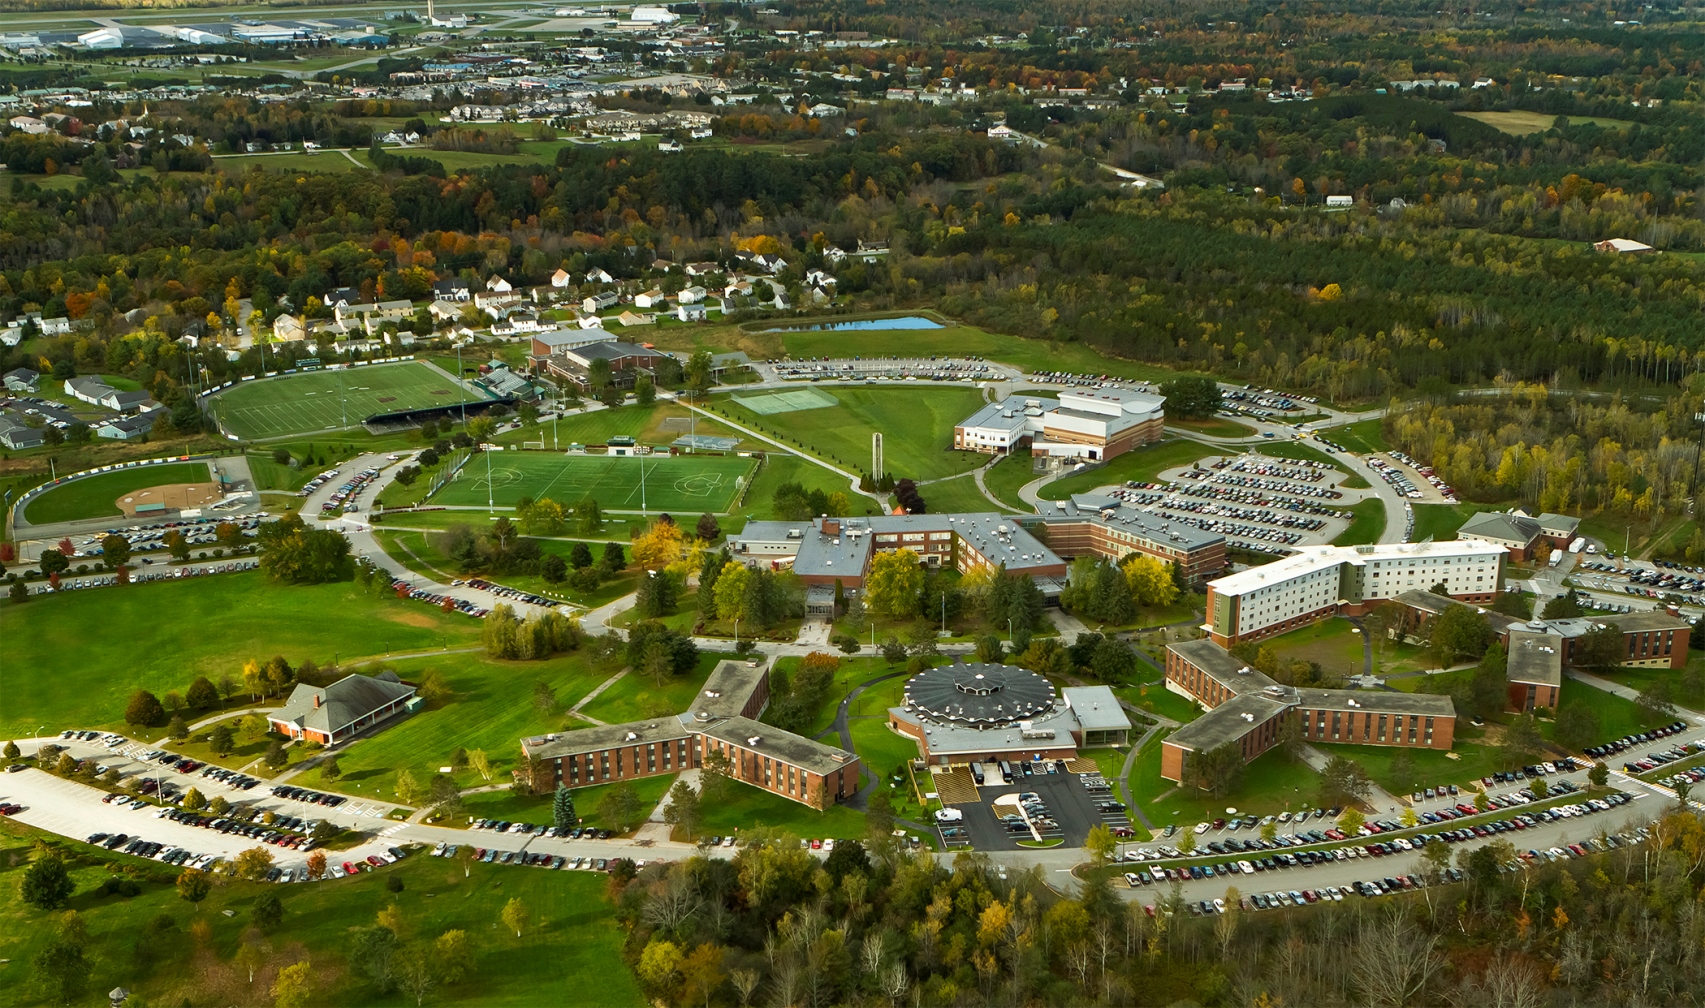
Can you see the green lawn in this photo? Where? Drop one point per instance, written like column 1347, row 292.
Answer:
column 1272, row 783
column 1334, row 643
column 916, row 423
column 506, row 804
column 759, row 499
column 492, row 709
column 1440, row 521
column 97, row 496
column 269, row 475
column 68, row 665
column 1141, row 464
column 1617, row 716
column 316, row 401
column 1431, row 767
column 634, row 696
column 684, row 484
column 312, row 161
column 1213, row 426
column 748, row 807
column 958, row 495
column 1007, row 477
column 1364, row 437
column 616, row 527
column 1366, row 526
column 1157, row 698
column 569, row 952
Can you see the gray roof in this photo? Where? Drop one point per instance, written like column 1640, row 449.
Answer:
column 996, row 415
column 1226, row 723
column 728, row 688
column 1535, row 658
column 1498, row 526
column 1428, row 602
column 601, row 737
column 1096, row 708
column 1224, row 667
column 778, row 744
column 831, row 556
column 343, row 702
column 1648, row 619
column 1132, row 521
column 612, row 350
column 1055, row 731
column 1376, row 701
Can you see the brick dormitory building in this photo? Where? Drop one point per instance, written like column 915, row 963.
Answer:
column 723, row 719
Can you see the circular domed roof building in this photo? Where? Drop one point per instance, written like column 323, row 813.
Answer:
column 970, row 713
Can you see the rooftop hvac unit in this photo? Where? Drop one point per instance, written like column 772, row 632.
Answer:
column 631, row 737
column 754, row 740
column 1249, row 717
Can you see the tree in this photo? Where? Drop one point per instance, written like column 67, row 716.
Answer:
column 1113, row 661
column 1655, row 702
column 254, row 863
column 708, row 529
column 1598, row 775
column 620, row 807
column 415, row 972
column 514, row 916
column 1101, row 845
column 644, row 390
column 455, row 955
column 292, row 553
column 1351, row 821
column 554, row 569
column 267, row 912
column 893, row 652
column 614, row 559
column 1151, row 582
column 329, row 768
column 1215, row 771
column 1343, row 781
column 659, row 966
column 657, row 595
column 1459, row 630
column 62, row 969
column 115, row 549
column 683, row 809
column 202, row 694
column 1046, row 657
column 52, row 561
column 659, row 546
column 896, row 580
column 193, row 800
column 276, row 756
column 218, row 806
column 11, row 751
column 317, row 864
column 144, row 710
column 580, row 556
column 372, row 951
column 47, row 885
column 1577, row 725
column 293, row 988
column 698, row 372
column 701, row 974
column 562, row 808
column 1488, row 691
column 1191, row 397
column 1602, row 648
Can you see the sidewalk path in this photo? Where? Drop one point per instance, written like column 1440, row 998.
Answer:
column 588, row 698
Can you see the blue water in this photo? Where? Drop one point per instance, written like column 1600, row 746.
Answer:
column 908, row 322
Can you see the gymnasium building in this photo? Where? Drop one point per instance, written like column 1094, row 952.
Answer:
column 1092, row 424
column 981, row 713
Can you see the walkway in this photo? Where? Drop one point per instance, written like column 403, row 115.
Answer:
column 1125, row 778
column 983, row 487
column 861, row 800
column 1626, row 692
column 852, row 479
column 588, row 698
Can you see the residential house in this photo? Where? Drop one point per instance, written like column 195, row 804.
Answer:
column 332, row 714
column 652, row 298
column 371, row 316
column 495, row 303
column 593, row 303
column 55, row 326
column 598, row 275
column 453, row 289
column 742, row 288
column 128, row 428
column 662, row 265
column 98, row 393
column 28, row 124
column 498, row 285
column 560, row 278
column 626, row 361
column 343, row 296
column 444, row 311
column 690, row 295
column 630, row 318
column 699, row 269
column 22, row 380
column 288, row 328
column 587, row 320
column 1625, row 245
column 17, row 435
column 517, row 324
column 690, row 311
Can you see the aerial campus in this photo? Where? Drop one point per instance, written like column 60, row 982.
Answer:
column 910, row 504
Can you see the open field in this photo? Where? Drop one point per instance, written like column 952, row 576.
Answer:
column 1617, row 716
column 687, row 484
column 635, row 696
column 310, row 161
column 1007, row 477
column 96, row 496
column 650, row 425
column 1142, row 464
column 1213, row 426
column 1364, row 437
column 1473, row 759
column 1440, row 521
column 492, row 709
column 1366, row 526
column 759, row 499
column 1522, row 123
column 917, row 426
column 748, row 807
column 958, row 495
column 1157, row 699
column 569, row 952
column 1272, row 783
column 333, row 400
column 68, row 665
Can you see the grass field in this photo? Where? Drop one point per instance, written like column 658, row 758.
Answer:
column 97, row 496
column 314, row 161
column 68, row 665
column 635, row 696
column 1008, row 476
column 1522, row 123
column 685, row 484
column 1440, row 521
column 759, row 500
column 1617, row 716
column 1213, row 426
column 646, row 424
column 916, row 423
column 492, row 709
column 956, row 496
column 1271, row 783
column 1141, row 464
column 1364, row 437
column 569, row 953
column 333, row 400
column 1366, row 526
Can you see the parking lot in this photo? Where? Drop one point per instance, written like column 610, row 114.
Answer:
column 879, row 369
column 1047, row 804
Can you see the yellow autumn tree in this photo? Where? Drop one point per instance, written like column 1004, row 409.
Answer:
column 659, row 547
column 1150, row 581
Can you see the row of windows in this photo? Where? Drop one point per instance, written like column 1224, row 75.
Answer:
column 1344, row 727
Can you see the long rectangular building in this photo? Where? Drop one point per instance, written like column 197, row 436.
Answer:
column 723, row 719
column 1250, row 709
column 1323, row 580
column 1095, row 424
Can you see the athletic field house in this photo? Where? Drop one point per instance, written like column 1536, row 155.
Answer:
column 380, row 396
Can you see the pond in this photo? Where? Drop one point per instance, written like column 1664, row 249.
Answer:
column 906, row 322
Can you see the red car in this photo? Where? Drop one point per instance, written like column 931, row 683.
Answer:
column 374, row 861
column 348, row 869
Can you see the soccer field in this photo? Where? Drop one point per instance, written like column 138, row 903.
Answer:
column 333, row 400
column 682, row 483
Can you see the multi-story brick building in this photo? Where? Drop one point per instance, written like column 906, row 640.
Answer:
column 723, row 719
column 1250, row 709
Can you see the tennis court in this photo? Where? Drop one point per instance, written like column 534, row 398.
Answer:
column 688, row 484
column 791, row 401
column 334, row 400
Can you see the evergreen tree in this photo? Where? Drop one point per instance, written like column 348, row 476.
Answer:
column 562, row 809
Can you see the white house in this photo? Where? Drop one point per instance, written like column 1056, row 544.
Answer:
column 597, row 275
column 444, row 311
column 691, row 295
column 288, row 328
column 650, row 299
column 498, row 285
column 690, row 311
column 560, row 278
column 55, row 326
column 453, row 289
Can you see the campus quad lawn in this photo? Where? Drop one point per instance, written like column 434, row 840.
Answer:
column 1334, row 643
column 1156, row 698
column 634, row 696
column 504, row 803
column 96, row 496
column 1007, row 477
column 1272, row 783
column 747, row 807
column 492, row 710
column 568, row 954
column 683, row 484
column 1366, row 526
column 1475, row 759
column 73, row 660
column 758, row 501
column 916, row 422
column 1617, row 716
column 332, row 400
column 958, row 495
column 1142, row 464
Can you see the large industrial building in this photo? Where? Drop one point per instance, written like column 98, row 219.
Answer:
column 723, row 718
column 1093, row 424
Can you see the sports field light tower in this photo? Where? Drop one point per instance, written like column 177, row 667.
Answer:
column 876, row 457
